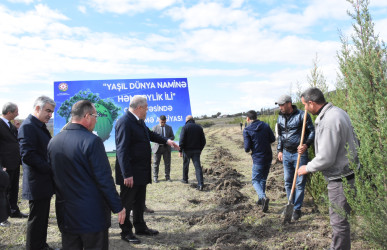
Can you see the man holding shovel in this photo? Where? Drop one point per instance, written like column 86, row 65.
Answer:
column 335, row 141
column 290, row 121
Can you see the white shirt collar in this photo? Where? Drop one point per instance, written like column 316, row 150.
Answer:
column 5, row 120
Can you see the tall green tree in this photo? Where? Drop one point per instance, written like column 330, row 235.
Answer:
column 316, row 79
column 363, row 83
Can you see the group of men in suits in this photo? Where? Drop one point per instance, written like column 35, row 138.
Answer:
column 74, row 166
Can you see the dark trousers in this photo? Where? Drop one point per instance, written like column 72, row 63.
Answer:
column 133, row 199
column 164, row 152
column 195, row 156
column 4, row 205
column 91, row 241
column 37, row 224
column 13, row 188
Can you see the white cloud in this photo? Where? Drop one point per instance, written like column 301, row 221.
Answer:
column 211, row 14
column 129, row 6
column 292, row 19
column 21, row 1
column 82, row 9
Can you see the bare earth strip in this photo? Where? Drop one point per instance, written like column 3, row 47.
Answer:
column 223, row 216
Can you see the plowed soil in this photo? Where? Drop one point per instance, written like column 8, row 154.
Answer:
column 222, row 216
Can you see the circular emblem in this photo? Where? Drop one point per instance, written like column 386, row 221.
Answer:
column 63, row 87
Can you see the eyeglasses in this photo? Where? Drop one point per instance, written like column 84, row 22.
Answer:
column 95, row 115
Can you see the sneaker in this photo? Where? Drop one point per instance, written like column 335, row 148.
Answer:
column 296, row 215
column 155, row 180
column 184, row 181
column 265, row 204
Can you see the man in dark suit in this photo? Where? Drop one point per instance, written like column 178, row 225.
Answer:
column 38, row 185
column 84, row 186
column 161, row 150
column 133, row 165
column 10, row 156
column 192, row 142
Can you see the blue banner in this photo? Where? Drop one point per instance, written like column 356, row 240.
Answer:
column 166, row 96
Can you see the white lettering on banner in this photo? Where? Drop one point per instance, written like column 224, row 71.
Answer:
column 145, row 85
column 157, row 108
column 142, row 85
column 115, row 86
column 150, row 97
column 150, row 119
column 174, row 118
column 173, row 84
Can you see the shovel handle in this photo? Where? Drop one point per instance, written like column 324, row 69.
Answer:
column 299, row 157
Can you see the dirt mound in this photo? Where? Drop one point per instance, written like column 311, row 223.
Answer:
column 223, row 154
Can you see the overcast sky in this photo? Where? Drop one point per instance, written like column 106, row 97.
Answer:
column 237, row 54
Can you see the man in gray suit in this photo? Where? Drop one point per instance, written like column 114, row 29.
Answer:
column 162, row 150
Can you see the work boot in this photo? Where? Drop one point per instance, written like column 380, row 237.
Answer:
column 296, row 215
column 265, row 204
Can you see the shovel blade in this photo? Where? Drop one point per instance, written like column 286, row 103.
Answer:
column 288, row 212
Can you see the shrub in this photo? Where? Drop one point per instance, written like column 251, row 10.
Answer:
column 363, row 83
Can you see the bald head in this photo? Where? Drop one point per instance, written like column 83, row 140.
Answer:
column 189, row 117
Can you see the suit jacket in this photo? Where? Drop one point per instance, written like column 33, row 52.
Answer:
column 9, row 147
column 168, row 135
column 134, row 150
column 84, row 186
column 33, row 139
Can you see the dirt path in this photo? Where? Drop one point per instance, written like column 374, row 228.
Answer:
column 223, row 216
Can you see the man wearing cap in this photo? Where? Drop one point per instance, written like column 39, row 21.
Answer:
column 290, row 122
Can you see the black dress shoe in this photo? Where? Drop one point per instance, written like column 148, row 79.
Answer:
column 148, row 232
column 18, row 214
column 148, row 210
column 131, row 239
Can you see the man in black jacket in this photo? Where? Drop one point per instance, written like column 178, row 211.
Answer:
column 38, row 186
column 10, row 156
column 133, row 165
column 192, row 142
column 290, row 122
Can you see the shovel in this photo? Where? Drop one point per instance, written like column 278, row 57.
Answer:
column 288, row 212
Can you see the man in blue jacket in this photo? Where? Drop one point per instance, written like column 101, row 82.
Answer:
column 258, row 138
column 38, row 186
column 290, row 121
column 84, row 186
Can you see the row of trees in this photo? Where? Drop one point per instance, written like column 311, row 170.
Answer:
column 361, row 90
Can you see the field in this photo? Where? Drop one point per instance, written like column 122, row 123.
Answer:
column 223, row 216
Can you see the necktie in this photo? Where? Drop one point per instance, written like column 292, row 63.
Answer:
column 12, row 128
